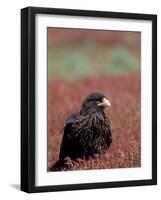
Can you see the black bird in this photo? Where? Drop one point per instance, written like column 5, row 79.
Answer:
column 86, row 133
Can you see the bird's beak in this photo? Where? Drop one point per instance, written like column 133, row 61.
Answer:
column 105, row 103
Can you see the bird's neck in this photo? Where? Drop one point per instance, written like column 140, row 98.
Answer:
column 92, row 113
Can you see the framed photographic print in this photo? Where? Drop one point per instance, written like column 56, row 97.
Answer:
column 88, row 99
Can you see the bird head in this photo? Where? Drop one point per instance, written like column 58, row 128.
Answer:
column 95, row 102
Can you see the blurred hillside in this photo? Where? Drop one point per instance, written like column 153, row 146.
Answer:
column 74, row 53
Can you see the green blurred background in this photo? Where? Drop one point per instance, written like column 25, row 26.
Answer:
column 78, row 53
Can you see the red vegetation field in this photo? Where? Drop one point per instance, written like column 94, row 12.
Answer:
column 64, row 99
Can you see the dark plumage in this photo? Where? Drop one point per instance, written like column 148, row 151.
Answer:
column 86, row 133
